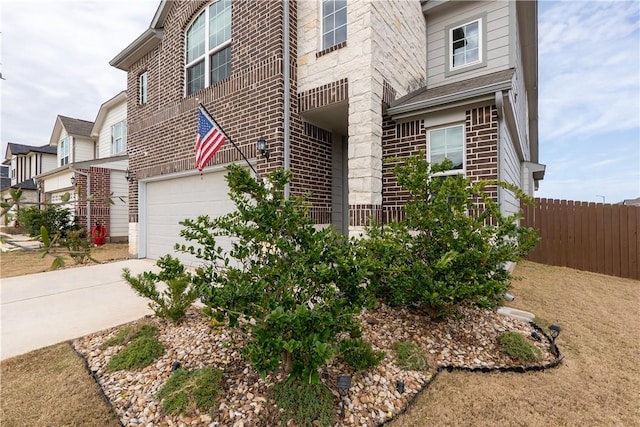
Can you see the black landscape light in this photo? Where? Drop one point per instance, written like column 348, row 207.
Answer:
column 343, row 384
column 175, row 366
column 554, row 331
column 400, row 386
column 262, row 147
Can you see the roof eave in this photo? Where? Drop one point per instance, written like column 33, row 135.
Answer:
column 104, row 110
column 146, row 42
column 463, row 97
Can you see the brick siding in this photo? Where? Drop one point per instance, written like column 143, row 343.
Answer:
column 100, row 191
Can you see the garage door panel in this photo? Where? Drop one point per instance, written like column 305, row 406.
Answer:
column 168, row 202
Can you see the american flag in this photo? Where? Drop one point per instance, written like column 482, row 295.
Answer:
column 209, row 139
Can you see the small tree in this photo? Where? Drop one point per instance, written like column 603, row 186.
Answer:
column 298, row 286
column 452, row 246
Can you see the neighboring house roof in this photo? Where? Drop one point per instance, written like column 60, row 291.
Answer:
column 26, row 185
column 74, row 127
column 104, row 110
column 83, row 164
column 469, row 89
column 14, row 149
column 631, row 202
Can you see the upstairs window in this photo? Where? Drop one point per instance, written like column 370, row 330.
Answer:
column 208, row 47
column 119, row 138
column 142, row 88
column 63, row 151
column 466, row 45
column 447, row 143
column 334, row 22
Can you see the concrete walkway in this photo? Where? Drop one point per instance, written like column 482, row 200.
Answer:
column 42, row 309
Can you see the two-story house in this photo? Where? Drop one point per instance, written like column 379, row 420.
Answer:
column 91, row 168
column 334, row 87
column 23, row 163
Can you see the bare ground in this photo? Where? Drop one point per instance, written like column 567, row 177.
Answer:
column 598, row 383
column 18, row 263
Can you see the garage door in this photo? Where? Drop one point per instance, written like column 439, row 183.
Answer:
column 172, row 200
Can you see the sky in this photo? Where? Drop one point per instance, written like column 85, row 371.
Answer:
column 54, row 57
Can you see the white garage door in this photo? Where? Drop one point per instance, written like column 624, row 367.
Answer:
column 172, row 200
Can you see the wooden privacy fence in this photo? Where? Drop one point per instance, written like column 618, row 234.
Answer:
column 597, row 237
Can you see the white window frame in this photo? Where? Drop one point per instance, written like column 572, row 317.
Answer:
column 64, row 150
column 142, row 88
column 462, row 171
column 119, row 142
column 334, row 29
column 482, row 45
column 209, row 51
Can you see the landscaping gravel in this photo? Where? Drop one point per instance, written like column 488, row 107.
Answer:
column 468, row 339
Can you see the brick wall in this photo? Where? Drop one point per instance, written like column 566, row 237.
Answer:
column 410, row 138
column 100, row 191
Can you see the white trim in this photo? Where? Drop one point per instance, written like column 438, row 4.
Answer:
column 481, row 52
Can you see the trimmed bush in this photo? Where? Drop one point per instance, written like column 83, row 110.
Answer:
column 359, row 355
column 308, row 405
column 130, row 333
column 140, row 353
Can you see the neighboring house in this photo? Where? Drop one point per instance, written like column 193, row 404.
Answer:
column 92, row 164
column 335, row 88
column 24, row 162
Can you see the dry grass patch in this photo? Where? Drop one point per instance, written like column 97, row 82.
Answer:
column 597, row 384
column 50, row 387
column 18, row 263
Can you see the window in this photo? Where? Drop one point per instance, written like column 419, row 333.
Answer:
column 118, row 138
column 334, row 22
column 466, row 45
column 208, row 47
column 447, row 143
column 142, row 88
column 63, row 150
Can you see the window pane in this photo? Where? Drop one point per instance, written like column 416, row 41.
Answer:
column 195, row 78
column 341, row 34
column 219, row 23
column 195, row 39
column 327, row 24
column 465, row 44
column 220, row 65
column 341, row 16
column 327, row 40
column 447, row 143
column 327, row 7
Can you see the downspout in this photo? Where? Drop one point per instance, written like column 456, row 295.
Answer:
column 500, row 108
column 287, row 94
column 88, row 176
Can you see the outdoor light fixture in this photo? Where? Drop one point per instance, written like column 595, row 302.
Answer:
column 554, row 331
column 262, row 147
column 343, row 384
column 175, row 366
column 400, row 386
column 127, row 175
column 73, row 180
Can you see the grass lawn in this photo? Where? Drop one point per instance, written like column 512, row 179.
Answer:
column 596, row 385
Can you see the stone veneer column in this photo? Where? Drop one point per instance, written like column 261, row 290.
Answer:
column 365, row 152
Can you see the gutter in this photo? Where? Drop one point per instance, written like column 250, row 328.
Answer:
column 287, row 94
column 418, row 107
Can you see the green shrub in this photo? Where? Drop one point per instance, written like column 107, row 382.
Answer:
column 516, row 345
column 174, row 302
column 410, row 355
column 299, row 285
column 130, row 333
column 78, row 246
column 309, row 405
column 186, row 390
column 54, row 218
column 359, row 355
column 452, row 246
column 140, row 353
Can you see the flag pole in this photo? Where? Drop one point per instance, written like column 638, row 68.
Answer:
column 230, row 140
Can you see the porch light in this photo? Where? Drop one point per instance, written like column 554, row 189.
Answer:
column 73, row 180
column 343, row 384
column 127, row 175
column 262, row 147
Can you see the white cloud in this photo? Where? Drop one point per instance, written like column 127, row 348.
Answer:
column 56, row 60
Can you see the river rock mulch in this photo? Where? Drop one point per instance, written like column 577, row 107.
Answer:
column 468, row 339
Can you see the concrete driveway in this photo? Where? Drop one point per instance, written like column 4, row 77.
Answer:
column 42, row 309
